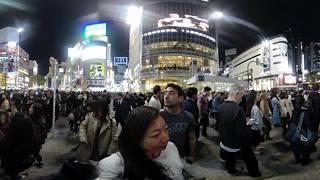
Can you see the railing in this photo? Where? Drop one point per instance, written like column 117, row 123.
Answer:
column 173, row 71
column 177, row 51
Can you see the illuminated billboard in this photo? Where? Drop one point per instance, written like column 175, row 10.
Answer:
column 95, row 30
column 120, row 61
column 96, row 71
column 287, row 79
column 187, row 21
column 94, row 52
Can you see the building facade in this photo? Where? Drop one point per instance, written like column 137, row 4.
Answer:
column 173, row 42
column 14, row 61
column 33, row 71
column 313, row 56
column 266, row 65
column 89, row 61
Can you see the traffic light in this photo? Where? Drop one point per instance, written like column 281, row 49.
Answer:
column 265, row 66
column 250, row 75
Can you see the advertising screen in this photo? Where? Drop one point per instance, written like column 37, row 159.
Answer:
column 187, row 21
column 94, row 52
column 95, row 30
column 96, row 71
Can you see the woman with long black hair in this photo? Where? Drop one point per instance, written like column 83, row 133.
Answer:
column 144, row 150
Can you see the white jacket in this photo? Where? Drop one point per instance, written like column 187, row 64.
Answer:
column 155, row 103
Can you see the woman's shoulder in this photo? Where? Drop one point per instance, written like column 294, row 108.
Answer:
column 255, row 108
column 115, row 158
column 112, row 166
column 171, row 147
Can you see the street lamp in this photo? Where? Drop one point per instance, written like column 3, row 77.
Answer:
column 216, row 16
column 20, row 30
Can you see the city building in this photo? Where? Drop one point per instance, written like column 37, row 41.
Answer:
column 312, row 56
column 170, row 42
column 33, row 71
column 266, row 65
column 89, row 62
column 120, row 70
column 14, row 60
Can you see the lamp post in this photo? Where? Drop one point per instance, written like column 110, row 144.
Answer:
column 53, row 63
column 216, row 16
column 249, row 73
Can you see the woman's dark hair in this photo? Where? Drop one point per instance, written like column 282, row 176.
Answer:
column 191, row 91
column 251, row 101
column 137, row 164
column 274, row 94
column 102, row 106
column 156, row 89
column 21, row 129
column 17, row 101
column 38, row 111
column 282, row 95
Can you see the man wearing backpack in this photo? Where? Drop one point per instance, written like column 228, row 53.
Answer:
column 181, row 123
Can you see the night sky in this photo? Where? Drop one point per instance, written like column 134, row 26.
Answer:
column 51, row 26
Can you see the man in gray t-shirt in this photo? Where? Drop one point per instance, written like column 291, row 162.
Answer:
column 181, row 124
column 179, row 127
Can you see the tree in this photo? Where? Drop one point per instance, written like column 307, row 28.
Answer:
column 38, row 79
column 312, row 77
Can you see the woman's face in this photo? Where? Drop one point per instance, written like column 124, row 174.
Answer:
column 156, row 138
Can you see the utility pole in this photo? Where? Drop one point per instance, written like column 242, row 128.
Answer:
column 53, row 63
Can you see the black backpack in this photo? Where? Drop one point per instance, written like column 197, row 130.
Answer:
column 80, row 170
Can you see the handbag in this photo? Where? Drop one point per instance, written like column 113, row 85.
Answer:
column 300, row 138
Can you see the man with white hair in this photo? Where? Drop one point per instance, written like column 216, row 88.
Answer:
column 235, row 135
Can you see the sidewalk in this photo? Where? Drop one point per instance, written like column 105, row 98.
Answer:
column 54, row 149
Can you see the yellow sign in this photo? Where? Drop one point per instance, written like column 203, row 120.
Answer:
column 96, row 71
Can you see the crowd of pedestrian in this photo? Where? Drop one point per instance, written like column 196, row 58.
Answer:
column 130, row 140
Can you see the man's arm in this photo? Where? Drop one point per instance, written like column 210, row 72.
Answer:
column 192, row 145
column 192, row 139
column 199, row 103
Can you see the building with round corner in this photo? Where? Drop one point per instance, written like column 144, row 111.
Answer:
column 266, row 65
column 172, row 42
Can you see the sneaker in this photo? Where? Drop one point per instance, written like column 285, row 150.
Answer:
column 39, row 164
column 258, row 152
column 221, row 160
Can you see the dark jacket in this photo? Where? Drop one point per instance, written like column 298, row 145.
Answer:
column 192, row 107
column 122, row 111
column 234, row 133
column 18, row 146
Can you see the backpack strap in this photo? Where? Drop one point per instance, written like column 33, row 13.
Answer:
column 300, row 122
